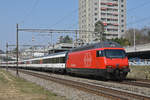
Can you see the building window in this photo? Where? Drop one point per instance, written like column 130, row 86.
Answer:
column 95, row 3
column 122, row 20
column 95, row 14
column 95, row 19
column 122, row 30
column 103, row 19
column 103, row 13
column 122, row 15
column 122, row 6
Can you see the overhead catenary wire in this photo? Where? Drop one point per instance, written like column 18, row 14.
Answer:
column 30, row 12
column 138, row 6
column 139, row 21
column 64, row 18
column 129, row 10
column 74, row 11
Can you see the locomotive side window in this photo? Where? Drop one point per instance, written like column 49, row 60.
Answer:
column 100, row 53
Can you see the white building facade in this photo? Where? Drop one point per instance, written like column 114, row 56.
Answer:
column 112, row 13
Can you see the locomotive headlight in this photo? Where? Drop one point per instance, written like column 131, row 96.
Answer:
column 125, row 66
column 108, row 66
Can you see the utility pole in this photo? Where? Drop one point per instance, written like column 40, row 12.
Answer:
column 32, row 48
column 52, row 44
column 76, row 38
column 17, row 49
column 7, row 55
column 51, row 35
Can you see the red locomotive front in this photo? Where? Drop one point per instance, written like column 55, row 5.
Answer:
column 107, row 61
column 116, row 62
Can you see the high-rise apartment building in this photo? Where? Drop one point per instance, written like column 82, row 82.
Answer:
column 112, row 13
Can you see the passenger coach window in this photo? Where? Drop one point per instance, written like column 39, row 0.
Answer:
column 62, row 60
column 100, row 53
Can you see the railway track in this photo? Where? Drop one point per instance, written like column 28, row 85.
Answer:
column 137, row 82
column 100, row 90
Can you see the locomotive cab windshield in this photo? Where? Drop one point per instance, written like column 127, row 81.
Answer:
column 115, row 53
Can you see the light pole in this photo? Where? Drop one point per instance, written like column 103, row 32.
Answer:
column 134, row 40
column 134, row 37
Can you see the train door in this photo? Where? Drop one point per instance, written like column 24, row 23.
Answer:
column 99, row 59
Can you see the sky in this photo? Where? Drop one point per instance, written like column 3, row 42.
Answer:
column 138, row 13
column 54, row 14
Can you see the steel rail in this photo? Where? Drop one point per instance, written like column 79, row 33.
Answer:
column 137, row 83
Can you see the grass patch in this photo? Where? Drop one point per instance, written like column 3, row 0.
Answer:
column 139, row 72
column 28, row 87
column 21, row 89
column 2, row 79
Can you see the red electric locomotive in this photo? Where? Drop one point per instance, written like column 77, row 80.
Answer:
column 104, row 59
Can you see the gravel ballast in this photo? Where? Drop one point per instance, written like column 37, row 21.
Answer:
column 61, row 90
column 138, row 90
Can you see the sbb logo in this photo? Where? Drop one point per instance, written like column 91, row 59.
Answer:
column 87, row 60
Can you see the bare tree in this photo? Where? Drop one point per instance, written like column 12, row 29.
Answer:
column 142, row 36
column 99, row 31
